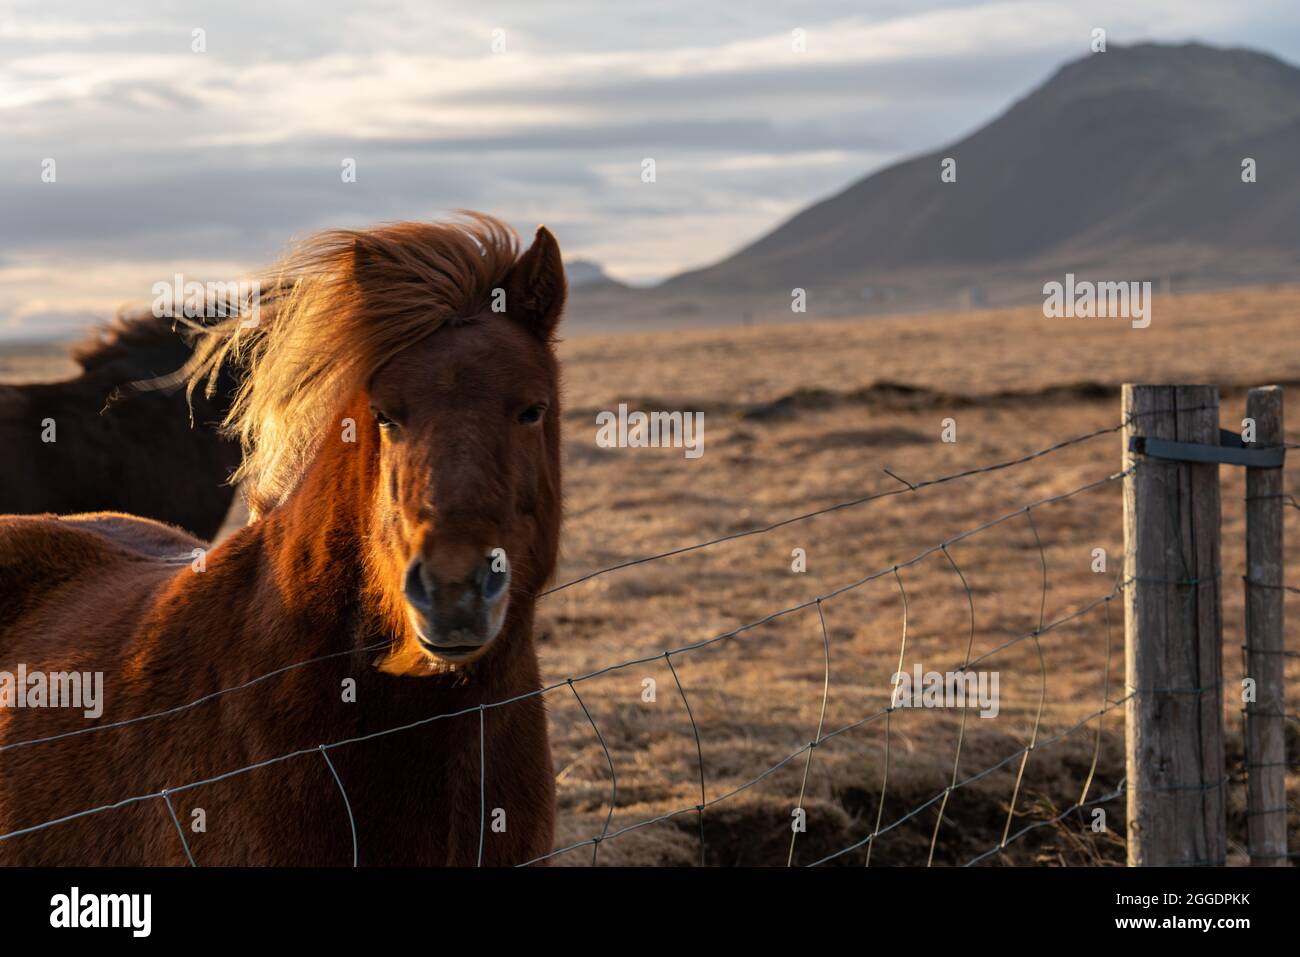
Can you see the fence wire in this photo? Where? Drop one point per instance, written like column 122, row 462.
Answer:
column 956, row 782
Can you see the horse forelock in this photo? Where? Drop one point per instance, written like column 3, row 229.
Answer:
column 340, row 305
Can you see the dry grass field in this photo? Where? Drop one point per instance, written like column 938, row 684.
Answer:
column 799, row 417
column 802, row 416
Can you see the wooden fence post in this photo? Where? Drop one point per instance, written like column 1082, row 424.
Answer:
column 1173, row 630
column 1265, row 724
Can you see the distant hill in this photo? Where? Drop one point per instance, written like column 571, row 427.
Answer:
column 1124, row 164
column 583, row 273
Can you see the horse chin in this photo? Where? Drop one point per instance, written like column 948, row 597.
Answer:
column 450, row 653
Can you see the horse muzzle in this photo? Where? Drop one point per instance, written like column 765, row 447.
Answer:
column 456, row 620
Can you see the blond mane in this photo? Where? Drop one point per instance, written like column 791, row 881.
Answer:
column 335, row 309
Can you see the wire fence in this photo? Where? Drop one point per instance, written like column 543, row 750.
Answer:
column 1019, row 758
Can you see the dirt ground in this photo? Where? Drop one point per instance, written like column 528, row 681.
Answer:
column 806, row 415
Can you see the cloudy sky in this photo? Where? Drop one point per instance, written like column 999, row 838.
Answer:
column 206, row 163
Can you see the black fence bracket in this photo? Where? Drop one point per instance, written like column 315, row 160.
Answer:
column 1230, row 451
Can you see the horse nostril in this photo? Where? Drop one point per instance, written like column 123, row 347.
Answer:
column 417, row 593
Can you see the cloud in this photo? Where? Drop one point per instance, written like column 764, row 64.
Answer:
column 165, row 154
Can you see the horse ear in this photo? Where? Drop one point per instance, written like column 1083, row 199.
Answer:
column 536, row 288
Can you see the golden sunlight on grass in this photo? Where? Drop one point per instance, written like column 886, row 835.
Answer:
column 802, row 416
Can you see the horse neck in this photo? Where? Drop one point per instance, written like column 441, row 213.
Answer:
column 317, row 540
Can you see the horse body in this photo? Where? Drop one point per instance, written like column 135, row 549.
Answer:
column 415, row 794
column 139, row 455
column 306, row 580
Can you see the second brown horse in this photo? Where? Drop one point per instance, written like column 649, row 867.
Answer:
column 92, row 443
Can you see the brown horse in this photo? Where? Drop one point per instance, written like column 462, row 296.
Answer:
column 402, row 443
column 69, row 449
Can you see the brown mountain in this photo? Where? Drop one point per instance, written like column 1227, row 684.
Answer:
column 1123, row 165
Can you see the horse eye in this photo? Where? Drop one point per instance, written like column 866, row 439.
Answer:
column 383, row 421
column 532, row 414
